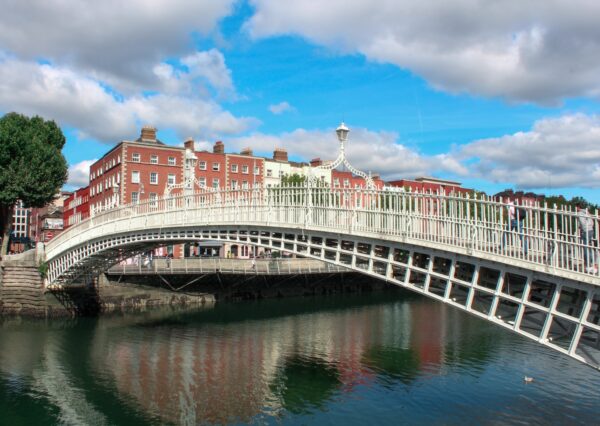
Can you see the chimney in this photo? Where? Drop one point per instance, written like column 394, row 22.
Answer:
column 219, row 147
column 148, row 134
column 315, row 162
column 280, row 154
column 189, row 144
column 246, row 151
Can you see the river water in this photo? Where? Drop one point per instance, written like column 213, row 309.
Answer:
column 386, row 358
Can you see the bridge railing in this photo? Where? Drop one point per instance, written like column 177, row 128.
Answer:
column 548, row 235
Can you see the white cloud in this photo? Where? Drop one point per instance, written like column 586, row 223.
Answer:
column 117, row 41
column 280, row 108
column 209, row 65
column 557, row 152
column 368, row 150
column 79, row 173
column 539, row 50
column 82, row 102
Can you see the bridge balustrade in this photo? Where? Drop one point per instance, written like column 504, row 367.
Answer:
column 549, row 235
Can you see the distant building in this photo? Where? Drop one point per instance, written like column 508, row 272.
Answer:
column 430, row 185
column 134, row 171
column 47, row 222
column 520, row 197
column 77, row 207
column 19, row 239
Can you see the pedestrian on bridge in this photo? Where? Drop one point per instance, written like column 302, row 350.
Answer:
column 516, row 219
column 586, row 233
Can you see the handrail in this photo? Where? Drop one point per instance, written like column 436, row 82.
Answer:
column 548, row 236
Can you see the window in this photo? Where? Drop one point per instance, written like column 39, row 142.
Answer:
column 135, row 157
column 245, row 169
column 154, row 178
column 172, row 161
column 234, row 184
column 346, row 182
column 215, row 183
column 245, row 184
column 154, row 159
column 135, row 197
column 135, row 177
column 202, row 165
column 100, row 187
column 202, row 181
column 234, row 168
column 336, row 182
column 153, row 199
column 215, row 167
column 256, row 170
column 171, row 179
column 269, row 172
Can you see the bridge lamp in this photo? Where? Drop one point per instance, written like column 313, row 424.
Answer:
column 342, row 132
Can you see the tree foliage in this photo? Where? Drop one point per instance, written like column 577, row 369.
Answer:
column 32, row 167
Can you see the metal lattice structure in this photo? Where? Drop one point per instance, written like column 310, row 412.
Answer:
column 342, row 133
column 460, row 250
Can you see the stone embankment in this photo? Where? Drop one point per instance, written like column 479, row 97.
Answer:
column 22, row 292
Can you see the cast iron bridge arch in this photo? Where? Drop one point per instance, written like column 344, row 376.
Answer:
column 456, row 249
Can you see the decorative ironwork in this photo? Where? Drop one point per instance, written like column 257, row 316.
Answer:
column 342, row 133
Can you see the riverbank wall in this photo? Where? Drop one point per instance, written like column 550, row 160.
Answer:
column 22, row 291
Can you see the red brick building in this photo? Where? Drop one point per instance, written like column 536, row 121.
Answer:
column 244, row 170
column 135, row 171
column 347, row 180
column 76, row 207
column 430, row 185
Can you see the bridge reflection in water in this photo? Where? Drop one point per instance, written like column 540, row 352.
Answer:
column 349, row 359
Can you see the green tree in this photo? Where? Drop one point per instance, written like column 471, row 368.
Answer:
column 32, row 167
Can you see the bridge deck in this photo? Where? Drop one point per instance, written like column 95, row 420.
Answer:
column 194, row 266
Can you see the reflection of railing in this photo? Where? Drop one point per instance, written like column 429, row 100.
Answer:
column 227, row 266
column 548, row 236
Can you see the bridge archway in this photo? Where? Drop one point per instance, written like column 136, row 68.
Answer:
column 554, row 312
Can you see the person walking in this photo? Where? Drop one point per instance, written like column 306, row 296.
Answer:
column 586, row 234
column 516, row 219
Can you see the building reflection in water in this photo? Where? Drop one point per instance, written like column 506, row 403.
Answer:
column 217, row 372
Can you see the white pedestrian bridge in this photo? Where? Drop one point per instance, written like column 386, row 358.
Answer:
column 537, row 280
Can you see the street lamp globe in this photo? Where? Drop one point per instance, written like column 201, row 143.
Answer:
column 342, row 132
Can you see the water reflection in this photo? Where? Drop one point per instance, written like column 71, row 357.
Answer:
column 347, row 359
column 197, row 368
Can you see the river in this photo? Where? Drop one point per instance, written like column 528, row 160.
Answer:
column 389, row 358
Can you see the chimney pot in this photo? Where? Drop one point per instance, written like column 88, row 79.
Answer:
column 219, row 148
column 148, row 134
column 246, row 151
column 280, row 154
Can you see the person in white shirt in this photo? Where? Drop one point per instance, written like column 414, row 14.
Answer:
column 516, row 218
column 586, row 232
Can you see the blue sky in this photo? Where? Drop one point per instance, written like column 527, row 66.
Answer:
column 503, row 101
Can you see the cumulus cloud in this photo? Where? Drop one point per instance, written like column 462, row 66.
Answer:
column 280, row 108
column 556, row 152
column 119, row 42
column 561, row 152
column 538, row 51
column 368, row 150
column 82, row 102
column 79, row 173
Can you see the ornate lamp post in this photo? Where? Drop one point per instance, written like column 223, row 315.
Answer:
column 342, row 134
